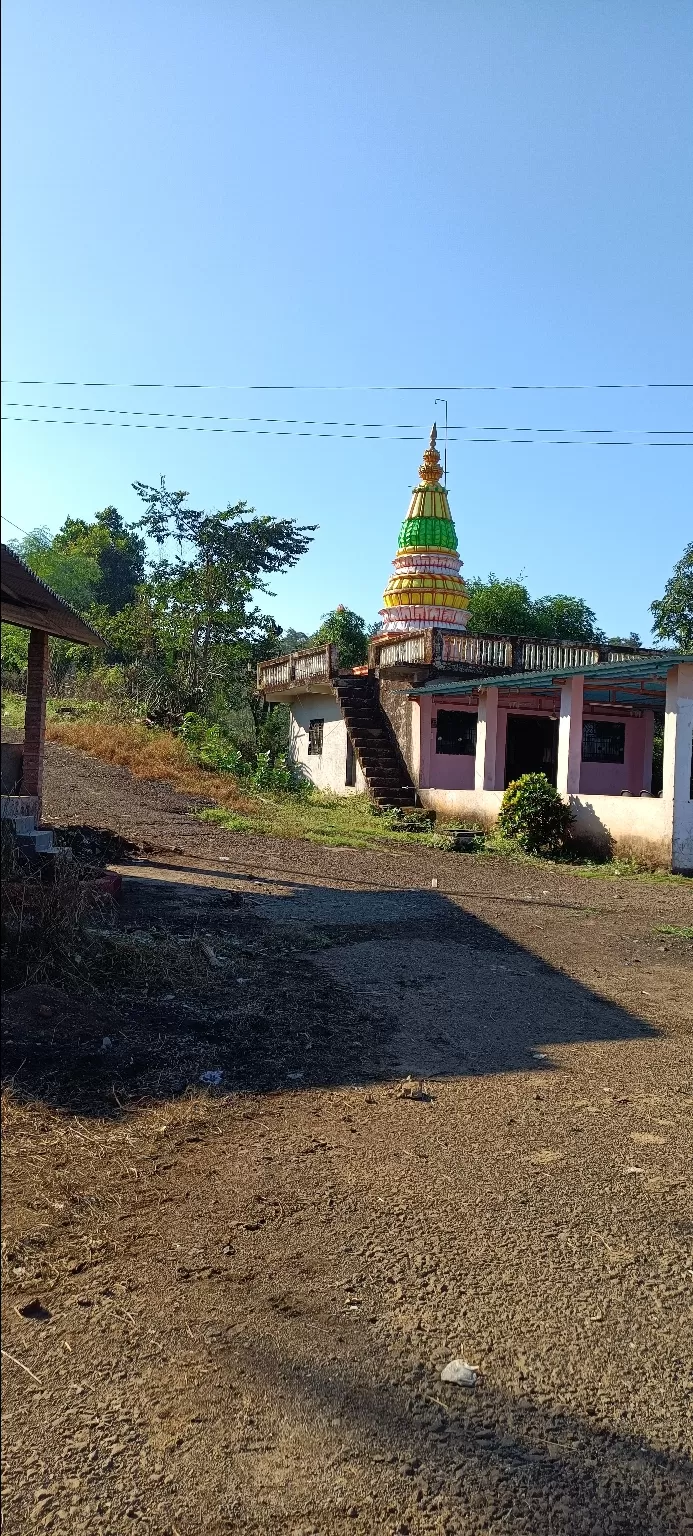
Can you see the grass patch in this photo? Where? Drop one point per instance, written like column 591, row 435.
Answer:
column 335, row 821
column 675, row 932
column 620, row 869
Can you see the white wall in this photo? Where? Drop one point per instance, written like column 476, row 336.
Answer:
column 630, row 827
column 480, row 806
column 677, row 766
column 327, row 772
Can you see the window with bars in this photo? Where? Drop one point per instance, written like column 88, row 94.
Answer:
column 603, row 742
column 456, row 732
column 315, row 735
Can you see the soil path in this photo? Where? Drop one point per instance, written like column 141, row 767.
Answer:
column 246, row 1297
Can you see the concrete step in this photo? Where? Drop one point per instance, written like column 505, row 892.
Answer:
column 18, row 805
column 376, row 774
column 36, row 842
column 23, row 825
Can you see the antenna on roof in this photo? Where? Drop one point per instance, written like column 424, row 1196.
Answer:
column 439, row 400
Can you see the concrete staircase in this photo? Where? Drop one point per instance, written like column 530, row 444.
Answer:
column 35, row 842
column 384, row 770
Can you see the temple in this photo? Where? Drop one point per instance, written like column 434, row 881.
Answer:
column 444, row 718
column 426, row 587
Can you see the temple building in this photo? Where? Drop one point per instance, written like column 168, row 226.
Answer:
column 447, row 719
column 426, row 587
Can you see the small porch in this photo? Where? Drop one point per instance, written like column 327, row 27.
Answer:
column 591, row 731
column 29, row 603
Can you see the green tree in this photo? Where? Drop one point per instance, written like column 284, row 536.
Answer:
column 498, row 606
column 504, row 606
column 348, row 631
column 565, row 618
column 632, row 639
column 119, row 553
column 193, row 635
column 292, row 640
column 73, row 574
column 673, row 613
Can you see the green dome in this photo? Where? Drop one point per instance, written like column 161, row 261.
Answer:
column 427, row 533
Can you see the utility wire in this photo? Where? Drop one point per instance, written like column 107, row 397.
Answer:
column 149, row 426
column 14, row 525
column 356, row 388
column 292, row 421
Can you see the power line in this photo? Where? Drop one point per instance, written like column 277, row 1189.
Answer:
column 335, row 388
column 292, row 421
column 149, row 426
column 14, row 525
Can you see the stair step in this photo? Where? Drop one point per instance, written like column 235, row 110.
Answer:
column 23, row 825
column 36, row 842
column 385, row 774
column 18, row 805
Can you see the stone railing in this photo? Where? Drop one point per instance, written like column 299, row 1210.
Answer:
column 302, row 668
column 445, row 649
column 441, row 648
column 474, row 650
column 551, row 655
column 403, row 650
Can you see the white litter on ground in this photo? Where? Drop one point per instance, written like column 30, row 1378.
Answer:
column 459, row 1371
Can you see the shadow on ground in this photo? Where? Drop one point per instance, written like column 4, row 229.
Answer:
column 479, row 1457
column 297, row 985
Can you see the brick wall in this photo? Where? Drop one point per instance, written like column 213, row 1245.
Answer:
column 35, row 716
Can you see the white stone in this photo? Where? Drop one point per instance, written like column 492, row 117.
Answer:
column 460, row 1372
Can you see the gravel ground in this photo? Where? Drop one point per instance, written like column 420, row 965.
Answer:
column 246, row 1295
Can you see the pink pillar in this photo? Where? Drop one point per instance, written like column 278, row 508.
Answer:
column 570, row 737
column 35, row 714
column 486, row 739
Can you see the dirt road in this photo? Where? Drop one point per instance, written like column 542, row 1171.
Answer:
column 251, row 1289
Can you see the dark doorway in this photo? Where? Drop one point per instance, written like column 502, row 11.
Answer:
column 350, row 777
column 531, row 747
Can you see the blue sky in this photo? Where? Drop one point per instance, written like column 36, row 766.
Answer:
column 477, row 192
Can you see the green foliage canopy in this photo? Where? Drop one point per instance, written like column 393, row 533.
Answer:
column 193, row 634
column 118, row 551
column 73, row 574
column 502, row 605
column 673, row 613
column 349, row 632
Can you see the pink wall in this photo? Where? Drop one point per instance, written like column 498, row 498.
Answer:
column 452, row 772
column 440, row 771
column 613, row 778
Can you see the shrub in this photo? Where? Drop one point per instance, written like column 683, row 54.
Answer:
column 534, row 815
column 208, row 746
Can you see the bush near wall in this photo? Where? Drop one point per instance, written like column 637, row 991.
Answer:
column 534, row 815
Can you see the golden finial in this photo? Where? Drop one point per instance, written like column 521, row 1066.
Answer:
column 431, row 470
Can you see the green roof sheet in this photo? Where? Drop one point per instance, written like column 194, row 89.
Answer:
column 609, row 672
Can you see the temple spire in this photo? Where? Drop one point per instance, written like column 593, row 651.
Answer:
column 426, row 587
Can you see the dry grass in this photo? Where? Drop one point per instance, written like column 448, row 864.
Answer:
column 85, row 1167
column 149, row 754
